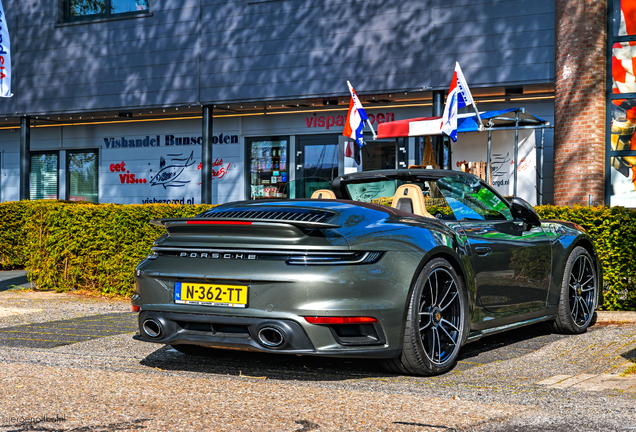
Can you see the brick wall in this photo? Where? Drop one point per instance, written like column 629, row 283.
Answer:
column 579, row 106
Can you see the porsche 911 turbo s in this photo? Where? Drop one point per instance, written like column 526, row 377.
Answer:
column 346, row 275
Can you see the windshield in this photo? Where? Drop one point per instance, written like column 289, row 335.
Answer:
column 451, row 198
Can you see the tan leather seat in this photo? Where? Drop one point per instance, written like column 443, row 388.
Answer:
column 323, row 194
column 409, row 198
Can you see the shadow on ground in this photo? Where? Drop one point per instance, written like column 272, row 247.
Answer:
column 512, row 344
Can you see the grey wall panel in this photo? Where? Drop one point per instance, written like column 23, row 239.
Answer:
column 493, row 75
column 144, row 72
column 306, row 45
column 252, row 50
column 497, row 42
column 65, row 38
column 518, row 34
column 309, row 87
column 325, row 72
column 150, row 60
column 364, row 14
column 114, row 88
column 138, row 62
column 454, row 12
column 98, row 50
column 494, row 26
column 123, row 100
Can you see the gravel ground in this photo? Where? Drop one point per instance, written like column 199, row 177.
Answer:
column 116, row 383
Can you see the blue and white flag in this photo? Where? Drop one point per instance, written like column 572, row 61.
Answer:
column 355, row 118
column 5, row 56
column 458, row 97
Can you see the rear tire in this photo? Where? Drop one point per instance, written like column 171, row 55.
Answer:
column 436, row 322
column 579, row 290
column 194, row 350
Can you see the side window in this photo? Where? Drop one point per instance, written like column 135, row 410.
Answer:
column 44, row 176
column 82, row 176
column 83, row 9
column 470, row 199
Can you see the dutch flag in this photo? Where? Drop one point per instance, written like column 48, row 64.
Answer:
column 458, row 97
column 355, row 118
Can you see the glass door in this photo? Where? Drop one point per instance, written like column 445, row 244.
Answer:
column 267, row 165
column 380, row 154
column 316, row 163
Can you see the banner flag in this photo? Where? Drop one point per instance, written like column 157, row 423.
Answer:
column 356, row 116
column 458, row 97
column 5, row 56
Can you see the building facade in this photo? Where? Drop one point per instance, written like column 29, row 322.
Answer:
column 136, row 101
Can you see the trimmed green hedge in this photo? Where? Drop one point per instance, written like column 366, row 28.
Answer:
column 69, row 246
column 613, row 232
column 13, row 251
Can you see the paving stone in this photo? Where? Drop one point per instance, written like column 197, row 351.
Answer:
column 572, row 381
column 606, row 382
column 56, row 333
column 554, row 380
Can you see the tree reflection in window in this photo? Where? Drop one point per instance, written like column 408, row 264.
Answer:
column 87, row 7
column 105, row 8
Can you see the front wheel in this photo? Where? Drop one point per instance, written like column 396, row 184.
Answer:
column 579, row 290
column 436, row 322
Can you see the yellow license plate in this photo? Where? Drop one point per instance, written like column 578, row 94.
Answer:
column 210, row 294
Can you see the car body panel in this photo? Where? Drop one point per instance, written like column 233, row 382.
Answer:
column 512, row 266
column 268, row 246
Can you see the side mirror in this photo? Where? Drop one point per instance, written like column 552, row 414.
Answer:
column 522, row 210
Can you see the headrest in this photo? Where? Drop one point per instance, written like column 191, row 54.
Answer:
column 323, row 194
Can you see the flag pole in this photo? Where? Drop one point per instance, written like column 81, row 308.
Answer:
column 481, row 124
column 372, row 131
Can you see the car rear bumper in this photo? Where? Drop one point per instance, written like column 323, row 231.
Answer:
column 276, row 335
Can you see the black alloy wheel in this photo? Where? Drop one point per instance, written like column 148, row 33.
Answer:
column 436, row 322
column 579, row 291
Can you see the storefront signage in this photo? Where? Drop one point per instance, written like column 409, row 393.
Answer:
column 166, row 140
column 169, row 171
column 125, row 176
column 218, row 173
column 338, row 121
column 5, row 56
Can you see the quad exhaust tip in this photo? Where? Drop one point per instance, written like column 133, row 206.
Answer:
column 271, row 337
column 152, row 328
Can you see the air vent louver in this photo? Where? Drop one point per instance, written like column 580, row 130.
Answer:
column 316, row 216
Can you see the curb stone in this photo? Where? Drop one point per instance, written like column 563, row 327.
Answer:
column 615, row 317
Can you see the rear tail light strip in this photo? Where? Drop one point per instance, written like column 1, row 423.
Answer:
column 340, row 320
column 218, row 223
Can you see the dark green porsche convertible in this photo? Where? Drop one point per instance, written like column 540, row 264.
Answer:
column 346, row 275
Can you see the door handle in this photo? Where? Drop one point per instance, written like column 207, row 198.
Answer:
column 483, row 251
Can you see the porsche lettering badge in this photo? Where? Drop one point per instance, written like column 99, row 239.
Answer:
column 217, row 255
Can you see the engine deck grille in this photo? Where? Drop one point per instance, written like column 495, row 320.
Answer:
column 281, row 215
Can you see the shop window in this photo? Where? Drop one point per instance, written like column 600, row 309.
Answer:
column 44, row 176
column 79, row 9
column 621, row 137
column 624, row 18
column 268, row 167
column 82, row 177
column 623, row 56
